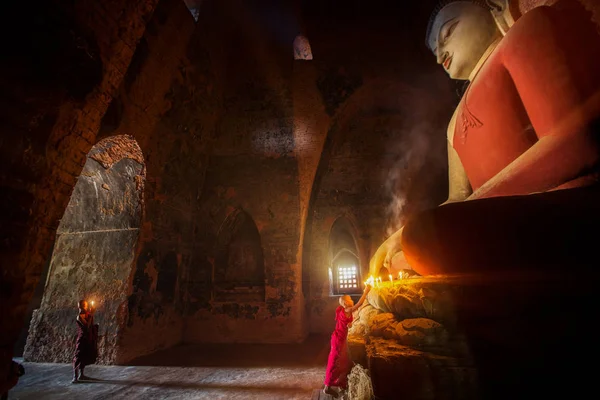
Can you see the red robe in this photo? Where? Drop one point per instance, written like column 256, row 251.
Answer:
column 338, row 364
column 86, row 350
column 542, row 79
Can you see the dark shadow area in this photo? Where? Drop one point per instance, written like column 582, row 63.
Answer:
column 312, row 352
column 34, row 303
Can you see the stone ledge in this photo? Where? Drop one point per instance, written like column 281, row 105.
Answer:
column 402, row 372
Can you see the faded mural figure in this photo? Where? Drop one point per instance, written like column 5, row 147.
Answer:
column 523, row 149
column 338, row 363
column 86, row 344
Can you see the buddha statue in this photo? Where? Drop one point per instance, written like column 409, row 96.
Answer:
column 502, row 14
column 523, row 146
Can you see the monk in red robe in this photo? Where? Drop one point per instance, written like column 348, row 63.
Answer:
column 523, row 147
column 338, row 362
column 86, row 342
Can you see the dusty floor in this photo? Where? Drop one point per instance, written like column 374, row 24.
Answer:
column 232, row 372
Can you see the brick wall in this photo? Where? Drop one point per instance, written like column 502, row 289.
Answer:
column 96, row 42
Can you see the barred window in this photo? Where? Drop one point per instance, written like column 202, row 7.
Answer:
column 347, row 278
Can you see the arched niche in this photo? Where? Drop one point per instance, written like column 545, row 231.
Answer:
column 344, row 259
column 94, row 252
column 239, row 269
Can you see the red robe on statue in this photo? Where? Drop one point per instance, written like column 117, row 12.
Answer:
column 338, row 364
column 538, row 92
column 541, row 80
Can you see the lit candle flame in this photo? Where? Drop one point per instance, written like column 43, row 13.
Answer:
column 391, row 279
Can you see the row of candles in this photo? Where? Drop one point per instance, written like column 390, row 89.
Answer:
column 378, row 282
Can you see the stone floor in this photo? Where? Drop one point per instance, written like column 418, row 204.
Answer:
column 232, row 372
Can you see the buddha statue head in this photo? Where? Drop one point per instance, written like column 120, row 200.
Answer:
column 460, row 32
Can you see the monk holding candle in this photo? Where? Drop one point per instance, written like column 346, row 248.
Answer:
column 86, row 344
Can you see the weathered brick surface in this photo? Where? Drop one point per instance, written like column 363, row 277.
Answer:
column 93, row 255
column 62, row 141
column 144, row 96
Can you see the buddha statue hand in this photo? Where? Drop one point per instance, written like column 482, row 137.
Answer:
column 385, row 253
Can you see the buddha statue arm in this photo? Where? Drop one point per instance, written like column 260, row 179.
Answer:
column 459, row 187
column 552, row 161
column 554, row 70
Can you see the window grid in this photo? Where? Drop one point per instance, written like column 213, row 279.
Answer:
column 347, row 278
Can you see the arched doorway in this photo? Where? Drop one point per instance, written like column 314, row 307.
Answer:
column 93, row 254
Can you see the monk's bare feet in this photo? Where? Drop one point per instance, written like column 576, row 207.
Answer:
column 329, row 391
column 75, row 380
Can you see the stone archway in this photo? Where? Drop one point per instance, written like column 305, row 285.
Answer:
column 94, row 253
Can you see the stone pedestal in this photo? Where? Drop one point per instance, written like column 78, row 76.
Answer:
column 492, row 337
column 357, row 347
column 403, row 372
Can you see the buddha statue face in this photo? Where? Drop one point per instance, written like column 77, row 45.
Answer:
column 461, row 33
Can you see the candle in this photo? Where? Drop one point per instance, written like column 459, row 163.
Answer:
column 391, row 279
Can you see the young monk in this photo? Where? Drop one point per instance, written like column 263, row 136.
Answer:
column 85, row 345
column 338, row 364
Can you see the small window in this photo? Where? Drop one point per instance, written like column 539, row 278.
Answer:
column 347, row 278
column 345, row 269
column 302, row 50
